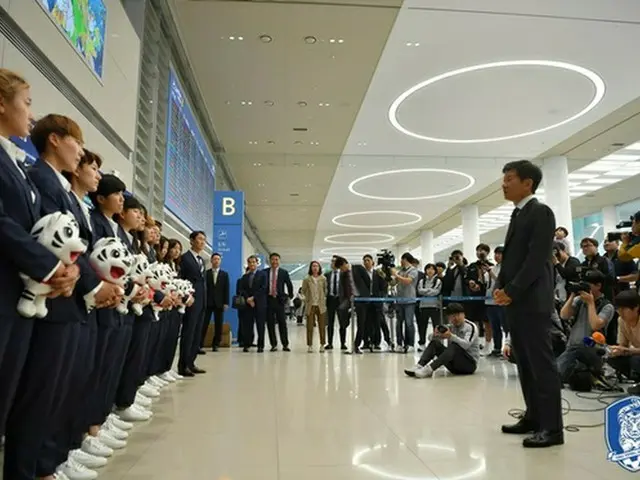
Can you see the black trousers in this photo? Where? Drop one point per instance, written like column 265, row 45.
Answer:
column 368, row 324
column 153, row 345
column 190, row 336
column 627, row 366
column 173, row 320
column 156, row 349
column 135, row 365
column 15, row 338
column 38, row 408
column 424, row 315
column 453, row 357
column 250, row 316
column 537, row 367
column 343, row 321
column 75, row 421
column 275, row 315
column 218, row 316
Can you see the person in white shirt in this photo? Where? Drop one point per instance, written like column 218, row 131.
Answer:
column 495, row 313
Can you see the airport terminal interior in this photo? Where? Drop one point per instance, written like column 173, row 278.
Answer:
column 297, row 152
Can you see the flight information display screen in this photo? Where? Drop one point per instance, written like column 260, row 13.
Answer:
column 189, row 166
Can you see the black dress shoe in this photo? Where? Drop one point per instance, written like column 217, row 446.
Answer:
column 245, row 349
column 260, row 349
column 521, row 427
column 343, row 347
column 197, row 370
column 186, row 373
column 357, row 351
column 543, row 439
column 328, row 347
column 286, row 349
column 214, row 349
column 274, row 349
column 201, row 352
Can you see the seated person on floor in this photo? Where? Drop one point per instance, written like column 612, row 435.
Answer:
column 588, row 311
column 460, row 355
column 625, row 357
column 556, row 332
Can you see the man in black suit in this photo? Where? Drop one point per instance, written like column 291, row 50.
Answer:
column 192, row 269
column 252, row 287
column 217, row 282
column 333, row 302
column 525, row 286
column 368, row 284
column 277, row 279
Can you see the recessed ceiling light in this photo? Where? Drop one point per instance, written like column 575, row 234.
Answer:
column 307, row 185
column 266, row 38
column 302, row 103
column 412, row 44
column 315, row 143
column 257, row 164
column 271, row 142
column 470, row 182
column 253, row 142
column 595, row 79
column 332, row 40
column 416, row 218
column 381, row 238
column 310, row 165
column 261, row 185
column 310, row 39
column 324, row 104
column 362, row 144
column 232, row 38
column 269, row 103
column 228, row 102
column 340, row 40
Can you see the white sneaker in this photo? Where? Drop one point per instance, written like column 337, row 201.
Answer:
column 310, row 349
column 132, row 414
column 142, row 400
column 156, row 382
column 86, row 459
column 115, row 431
column 149, row 391
column 110, row 441
column 142, row 410
column 93, row 446
column 166, row 377
column 321, row 348
column 411, row 372
column 176, row 375
column 424, row 372
column 76, row 471
column 118, row 422
column 60, row 476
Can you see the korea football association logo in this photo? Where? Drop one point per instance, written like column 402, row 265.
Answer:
column 622, row 430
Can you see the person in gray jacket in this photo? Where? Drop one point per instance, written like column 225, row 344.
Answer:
column 460, row 355
column 429, row 288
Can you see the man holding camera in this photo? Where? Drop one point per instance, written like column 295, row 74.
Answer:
column 590, row 312
column 594, row 261
column 462, row 352
column 625, row 357
column 565, row 267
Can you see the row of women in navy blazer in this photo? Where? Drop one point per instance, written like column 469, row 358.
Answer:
column 60, row 375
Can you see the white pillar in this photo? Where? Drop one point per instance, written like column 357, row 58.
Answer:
column 470, row 230
column 426, row 247
column 609, row 219
column 555, row 178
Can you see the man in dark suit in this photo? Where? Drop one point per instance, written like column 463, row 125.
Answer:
column 369, row 314
column 525, row 286
column 217, row 282
column 333, row 302
column 277, row 280
column 253, row 288
column 192, row 269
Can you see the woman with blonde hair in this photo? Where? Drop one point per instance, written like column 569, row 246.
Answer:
column 314, row 289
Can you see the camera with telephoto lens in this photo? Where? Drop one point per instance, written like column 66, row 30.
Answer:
column 588, row 276
column 386, row 260
column 441, row 328
column 617, row 236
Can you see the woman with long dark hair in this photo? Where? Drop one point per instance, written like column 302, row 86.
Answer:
column 167, row 350
column 314, row 289
column 162, row 247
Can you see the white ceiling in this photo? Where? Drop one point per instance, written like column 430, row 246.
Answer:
column 353, row 137
column 494, row 102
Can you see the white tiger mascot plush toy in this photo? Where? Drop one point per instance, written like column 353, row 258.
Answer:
column 60, row 234
column 112, row 261
column 160, row 280
column 140, row 274
column 185, row 291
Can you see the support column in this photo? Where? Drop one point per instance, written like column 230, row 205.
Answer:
column 609, row 219
column 470, row 231
column 426, row 247
column 555, row 178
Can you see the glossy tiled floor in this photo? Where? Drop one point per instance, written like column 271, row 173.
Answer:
column 301, row 416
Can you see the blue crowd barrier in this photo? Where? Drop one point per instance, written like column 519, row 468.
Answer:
column 418, row 299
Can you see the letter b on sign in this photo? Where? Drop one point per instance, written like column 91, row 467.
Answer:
column 228, row 206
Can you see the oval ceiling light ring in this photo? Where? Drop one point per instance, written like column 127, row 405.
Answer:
column 384, row 238
column 416, row 218
column 595, row 79
column 346, row 250
column 470, row 183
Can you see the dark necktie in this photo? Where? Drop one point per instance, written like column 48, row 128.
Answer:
column 512, row 222
column 335, row 284
column 251, row 280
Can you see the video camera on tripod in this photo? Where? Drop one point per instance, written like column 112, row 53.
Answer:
column 386, row 260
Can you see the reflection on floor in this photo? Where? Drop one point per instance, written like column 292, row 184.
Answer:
column 330, row 416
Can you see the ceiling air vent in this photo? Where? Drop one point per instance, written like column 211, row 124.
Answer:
column 294, row 194
column 300, row 129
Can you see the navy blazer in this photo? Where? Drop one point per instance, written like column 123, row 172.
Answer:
column 256, row 289
column 19, row 252
column 283, row 280
column 190, row 270
column 56, row 199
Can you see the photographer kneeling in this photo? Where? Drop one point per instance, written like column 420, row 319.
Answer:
column 589, row 312
column 625, row 357
column 461, row 354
